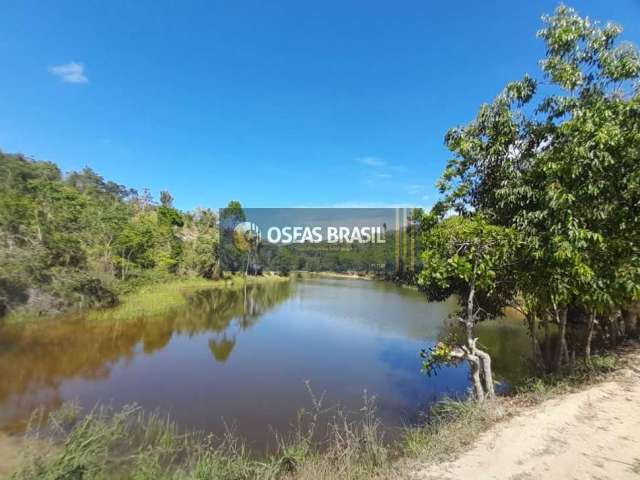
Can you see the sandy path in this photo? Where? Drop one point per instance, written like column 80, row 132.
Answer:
column 593, row 434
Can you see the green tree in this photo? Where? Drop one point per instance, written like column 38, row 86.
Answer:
column 200, row 243
column 465, row 255
column 562, row 170
column 230, row 217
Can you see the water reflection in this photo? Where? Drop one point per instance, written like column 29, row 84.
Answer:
column 36, row 359
column 228, row 313
column 244, row 356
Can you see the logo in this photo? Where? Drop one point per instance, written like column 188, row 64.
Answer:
column 319, row 239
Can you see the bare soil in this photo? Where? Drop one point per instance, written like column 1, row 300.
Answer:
column 592, row 434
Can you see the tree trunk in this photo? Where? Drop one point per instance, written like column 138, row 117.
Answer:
column 587, row 345
column 485, row 370
column 561, row 316
column 547, row 353
column 479, row 361
column 613, row 328
column 536, row 350
column 472, row 356
column 474, row 362
column 470, row 316
column 122, row 265
column 565, row 352
column 216, row 274
column 631, row 324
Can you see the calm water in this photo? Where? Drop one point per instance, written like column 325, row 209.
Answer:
column 243, row 357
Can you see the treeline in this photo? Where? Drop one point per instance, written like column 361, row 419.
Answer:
column 375, row 259
column 78, row 240
column 541, row 202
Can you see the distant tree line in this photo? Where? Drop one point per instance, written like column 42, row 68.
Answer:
column 377, row 259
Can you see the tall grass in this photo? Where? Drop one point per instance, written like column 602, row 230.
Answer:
column 452, row 427
column 161, row 298
column 130, row 444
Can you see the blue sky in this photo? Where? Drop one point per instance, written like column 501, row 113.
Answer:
column 280, row 103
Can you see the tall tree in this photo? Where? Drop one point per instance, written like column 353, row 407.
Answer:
column 465, row 255
column 561, row 168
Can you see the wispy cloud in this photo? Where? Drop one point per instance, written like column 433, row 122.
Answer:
column 376, row 171
column 372, row 161
column 71, row 72
column 393, row 178
column 382, row 175
column 358, row 204
column 414, row 188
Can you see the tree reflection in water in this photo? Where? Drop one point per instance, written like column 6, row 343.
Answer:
column 36, row 358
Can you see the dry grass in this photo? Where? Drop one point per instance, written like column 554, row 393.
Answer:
column 107, row 444
column 452, row 427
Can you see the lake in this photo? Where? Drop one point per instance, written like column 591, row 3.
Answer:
column 243, row 357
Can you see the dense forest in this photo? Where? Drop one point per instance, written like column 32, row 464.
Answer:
column 540, row 206
column 78, row 240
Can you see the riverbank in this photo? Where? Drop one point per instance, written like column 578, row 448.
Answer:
column 158, row 299
column 352, row 276
column 581, row 424
column 155, row 299
column 11, row 454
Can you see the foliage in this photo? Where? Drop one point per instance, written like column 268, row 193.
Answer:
column 462, row 249
column 435, row 357
column 78, row 240
column 553, row 163
column 160, row 297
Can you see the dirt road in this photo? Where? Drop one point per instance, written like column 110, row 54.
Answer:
column 593, row 434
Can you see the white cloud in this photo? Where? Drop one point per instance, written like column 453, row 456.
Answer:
column 372, row 161
column 71, row 72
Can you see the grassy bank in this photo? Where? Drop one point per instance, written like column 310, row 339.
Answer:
column 131, row 444
column 158, row 299
column 357, row 276
column 152, row 299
